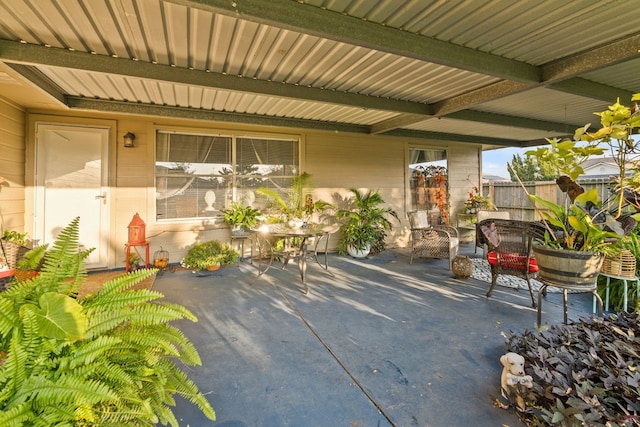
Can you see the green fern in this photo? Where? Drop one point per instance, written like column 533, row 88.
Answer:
column 107, row 359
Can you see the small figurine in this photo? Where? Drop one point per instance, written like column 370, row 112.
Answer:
column 513, row 376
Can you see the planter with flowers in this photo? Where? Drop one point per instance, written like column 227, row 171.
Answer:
column 476, row 202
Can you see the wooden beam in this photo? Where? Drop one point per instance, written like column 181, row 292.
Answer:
column 15, row 52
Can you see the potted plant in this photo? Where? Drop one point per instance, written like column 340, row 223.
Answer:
column 476, row 201
column 14, row 245
column 363, row 225
column 293, row 206
column 210, row 255
column 134, row 261
column 241, row 218
column 582, row 230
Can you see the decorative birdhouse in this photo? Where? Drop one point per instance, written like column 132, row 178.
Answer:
column 137, row 233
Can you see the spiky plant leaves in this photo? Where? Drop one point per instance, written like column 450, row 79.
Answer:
column 16, row 416
column 107, row 359
column 8, row 317
column 584, row 373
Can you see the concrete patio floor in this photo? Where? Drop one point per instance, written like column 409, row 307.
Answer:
column 378, row 342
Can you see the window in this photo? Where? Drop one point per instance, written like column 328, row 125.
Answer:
column 199, row 175
column 428, row 183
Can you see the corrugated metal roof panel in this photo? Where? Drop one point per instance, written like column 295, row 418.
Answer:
column 108, row 86
column 522, row 30
column 546, row 104
column 194, row 38
column 187, row 35
column 625, row 75
column 454, row 126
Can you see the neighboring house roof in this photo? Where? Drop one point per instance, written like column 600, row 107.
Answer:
column 445, row 71
column 602, row 167
column 598, row 161
column 494, row 178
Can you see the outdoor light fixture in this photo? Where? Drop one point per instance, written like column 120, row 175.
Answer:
column 128, row 139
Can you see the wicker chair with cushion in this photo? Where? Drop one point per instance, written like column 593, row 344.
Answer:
column 509, row 249
column 432, row 241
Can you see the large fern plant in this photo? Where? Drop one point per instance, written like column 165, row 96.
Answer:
column 105, row 360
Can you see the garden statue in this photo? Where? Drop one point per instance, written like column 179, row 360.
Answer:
column 513, row 376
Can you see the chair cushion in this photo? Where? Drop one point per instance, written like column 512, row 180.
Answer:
column 516, row 262
column 419, row 219
column 453, row 243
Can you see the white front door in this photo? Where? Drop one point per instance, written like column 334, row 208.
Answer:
column 72, row 181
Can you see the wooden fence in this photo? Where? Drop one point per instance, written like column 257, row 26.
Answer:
column 510, row 196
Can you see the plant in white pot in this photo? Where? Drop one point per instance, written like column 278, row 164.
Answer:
column 293, row 205
column 582, row 231
column 364, row 224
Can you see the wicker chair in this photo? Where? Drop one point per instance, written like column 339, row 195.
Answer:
column 432, row 241
column 509, row 249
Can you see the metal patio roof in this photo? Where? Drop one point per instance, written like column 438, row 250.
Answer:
column 492, row 72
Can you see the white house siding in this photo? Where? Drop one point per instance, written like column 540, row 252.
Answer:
column 336, row 162
column 12, row 165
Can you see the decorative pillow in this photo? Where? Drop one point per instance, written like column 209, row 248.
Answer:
column 491, row 233
column 516, row 262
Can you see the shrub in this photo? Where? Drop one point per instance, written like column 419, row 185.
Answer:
column 107, row 359
column 584, row 373
column 206, row 254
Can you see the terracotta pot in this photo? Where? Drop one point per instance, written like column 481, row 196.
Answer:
column 213, row 267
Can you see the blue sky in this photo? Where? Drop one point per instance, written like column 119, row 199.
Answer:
column 494, row 162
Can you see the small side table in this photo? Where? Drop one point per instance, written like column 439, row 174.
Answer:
column 128, row 247
column 624, row 281
column 238, row 240
column 565, row 288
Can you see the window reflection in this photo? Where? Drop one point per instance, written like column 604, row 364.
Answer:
column 198, row 176
column 429, row 187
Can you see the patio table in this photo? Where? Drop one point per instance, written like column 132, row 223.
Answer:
column 266, row 235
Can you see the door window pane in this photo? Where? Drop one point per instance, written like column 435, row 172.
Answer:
column 428, row 183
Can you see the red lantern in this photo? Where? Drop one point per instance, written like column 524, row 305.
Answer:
column 137, row 234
